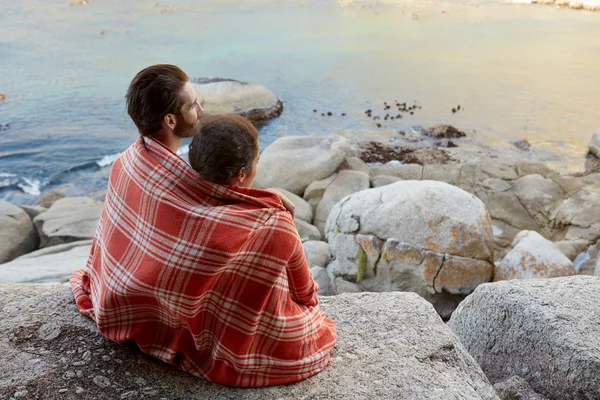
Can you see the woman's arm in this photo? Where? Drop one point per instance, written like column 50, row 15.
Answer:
column 303, row 287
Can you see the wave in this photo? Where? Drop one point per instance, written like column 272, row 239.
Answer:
column 110, row 159
column 7, row 179
column 31, row 186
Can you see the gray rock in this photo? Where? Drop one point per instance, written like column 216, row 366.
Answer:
column 294, row 162
column 251, row 100
column 320, row 276
column 422, row 236
column 506, row 207
column 34, row 211
column 543, row 330
column 317, row 253
column 68, row 220
column 303, row 210
column 580, row 215
column 572, row 248
column 342, row 286
column 594, row 146
column 390, row 346
column 307, row 231
column 382, row 180
column 315, row 191
column 17, row 233
column 516, row 388
column 538, row 195
column 355, row 164
column 533, row 256
column 449, row 173
column 405, row 171
column 50, row 197
column 347, row 182
column 50, row 265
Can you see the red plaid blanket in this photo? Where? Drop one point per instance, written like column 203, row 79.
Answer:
column 210, row 278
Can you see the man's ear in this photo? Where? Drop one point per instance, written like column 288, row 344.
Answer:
column 170, row 121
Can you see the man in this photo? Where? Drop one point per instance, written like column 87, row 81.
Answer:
column 193, row 272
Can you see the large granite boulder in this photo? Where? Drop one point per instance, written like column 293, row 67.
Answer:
column 50, row 265
column 294, row 162
column 533, row 256
column 251, row 100
column 345, row 183
column 422, row 236
column 68, row 220
column 390, row 346
column 17, row 233
column 543, row 330
column 307, row 231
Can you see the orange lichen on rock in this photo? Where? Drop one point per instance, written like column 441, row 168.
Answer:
column 462, row 275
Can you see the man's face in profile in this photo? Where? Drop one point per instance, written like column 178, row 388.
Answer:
column 188, row 118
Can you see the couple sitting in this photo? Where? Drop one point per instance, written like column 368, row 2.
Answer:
column 193, row 265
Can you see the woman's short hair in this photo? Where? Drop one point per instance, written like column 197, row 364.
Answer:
column 154, row 92
column 224, row 144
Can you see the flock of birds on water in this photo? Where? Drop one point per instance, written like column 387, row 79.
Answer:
column 389, row 112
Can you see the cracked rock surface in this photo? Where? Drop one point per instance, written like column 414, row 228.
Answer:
column 543, row 330
column 390, row 346
column 427, row 237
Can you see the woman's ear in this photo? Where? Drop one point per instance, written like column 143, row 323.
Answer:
column 239, row 178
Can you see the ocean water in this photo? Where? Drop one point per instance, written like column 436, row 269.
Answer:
column 518, row 71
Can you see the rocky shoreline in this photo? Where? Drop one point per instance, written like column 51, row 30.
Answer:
column 463, row 230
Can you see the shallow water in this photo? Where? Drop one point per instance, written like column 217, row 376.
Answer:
column 518, row 71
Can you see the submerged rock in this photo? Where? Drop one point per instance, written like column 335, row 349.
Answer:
column 443, row 132
column 543, row 330
column 390, row 346
column 251, row 100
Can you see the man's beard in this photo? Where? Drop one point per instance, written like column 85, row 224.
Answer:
column 184, row 129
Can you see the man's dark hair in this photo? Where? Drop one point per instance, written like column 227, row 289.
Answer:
column 224, row 144
column 154, row 92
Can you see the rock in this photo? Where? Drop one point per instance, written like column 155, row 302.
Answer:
column 68, row 220
column 526, row 167
column 294, row 162
column 342, row 286
column 303, row 210
column 317, row 253
column 355, row 164
column 572, row 248
column 594, row 146
column 34, row 211
column 449, row 173
column 390, row 346
column 313, row 194
column 320, row 276
column 251, row 100
column 405, row 171
column 522, row 144
column 17, row 233
column 422, row 236
column 50, row 265
column 382, row 180
column 506, row 207
column 443, row 132
column 543, row 330
column 532, row 257
column 579, row 215
column 347, row 182
column 516, row 388
column 307, row 231
column 50, row 197
column 538, row 196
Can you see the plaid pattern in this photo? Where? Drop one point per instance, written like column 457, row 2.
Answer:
column 212, row 279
